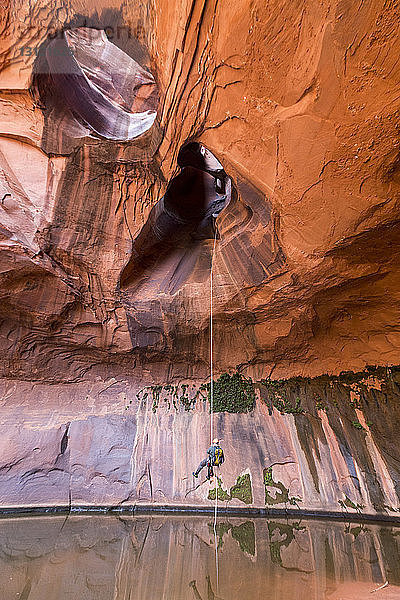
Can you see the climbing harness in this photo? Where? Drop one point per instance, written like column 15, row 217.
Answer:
column 212, row 397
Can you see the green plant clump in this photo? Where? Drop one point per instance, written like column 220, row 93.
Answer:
column 358, row 425
column 347, row 503
column 281, row 491
column 285, row 406
column 223, row 495
column 232, row 393
column 241, row 490
column 319, row 405
column 176, row 396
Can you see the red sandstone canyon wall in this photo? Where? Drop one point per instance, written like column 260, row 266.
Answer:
column 299, row 103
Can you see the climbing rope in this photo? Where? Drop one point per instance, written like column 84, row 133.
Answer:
column 212, row 399
column 211, row 342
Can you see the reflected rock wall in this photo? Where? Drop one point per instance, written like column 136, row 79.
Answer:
column 102, row 558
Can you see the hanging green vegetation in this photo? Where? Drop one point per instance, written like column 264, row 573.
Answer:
column 347, row 503
column 236, row 393
column 242, row 489
column 232, row 393
column 276, row 390
column 171, row 395
column 223, row 495
column 358, row 425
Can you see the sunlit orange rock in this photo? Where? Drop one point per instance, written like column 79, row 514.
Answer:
column 299, row 106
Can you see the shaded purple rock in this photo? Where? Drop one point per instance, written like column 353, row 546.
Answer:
column 94, row 88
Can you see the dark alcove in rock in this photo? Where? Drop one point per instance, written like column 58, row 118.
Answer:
column 181, row 219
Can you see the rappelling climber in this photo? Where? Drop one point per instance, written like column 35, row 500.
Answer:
column 215, row 458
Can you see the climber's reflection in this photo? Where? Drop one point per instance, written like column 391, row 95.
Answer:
column 210, row 592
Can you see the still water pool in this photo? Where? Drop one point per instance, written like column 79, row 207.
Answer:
column 173, row 558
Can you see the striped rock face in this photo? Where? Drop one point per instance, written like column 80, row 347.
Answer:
column 131, row 137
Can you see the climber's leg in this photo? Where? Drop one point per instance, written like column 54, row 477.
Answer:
column 200, row 467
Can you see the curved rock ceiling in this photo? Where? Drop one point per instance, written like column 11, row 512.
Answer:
column 298, row 104
column 87, row 86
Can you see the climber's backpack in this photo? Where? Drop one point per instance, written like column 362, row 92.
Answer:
column 216, row 456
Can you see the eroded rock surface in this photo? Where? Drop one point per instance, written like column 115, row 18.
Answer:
column 324, row 445
column 298, row 103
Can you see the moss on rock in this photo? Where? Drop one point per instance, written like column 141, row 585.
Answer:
column 241, row 490
column 282, row 492
column 223, row 495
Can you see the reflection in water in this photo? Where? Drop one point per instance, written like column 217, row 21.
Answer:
column 244, row 534
column 281, row 535
column 172, row 558
column 210, row 592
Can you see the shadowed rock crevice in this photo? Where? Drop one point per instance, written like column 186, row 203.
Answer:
column 181, row 219
column 169, row 270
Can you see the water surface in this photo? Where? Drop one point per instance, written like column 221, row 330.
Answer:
column 173, row 558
